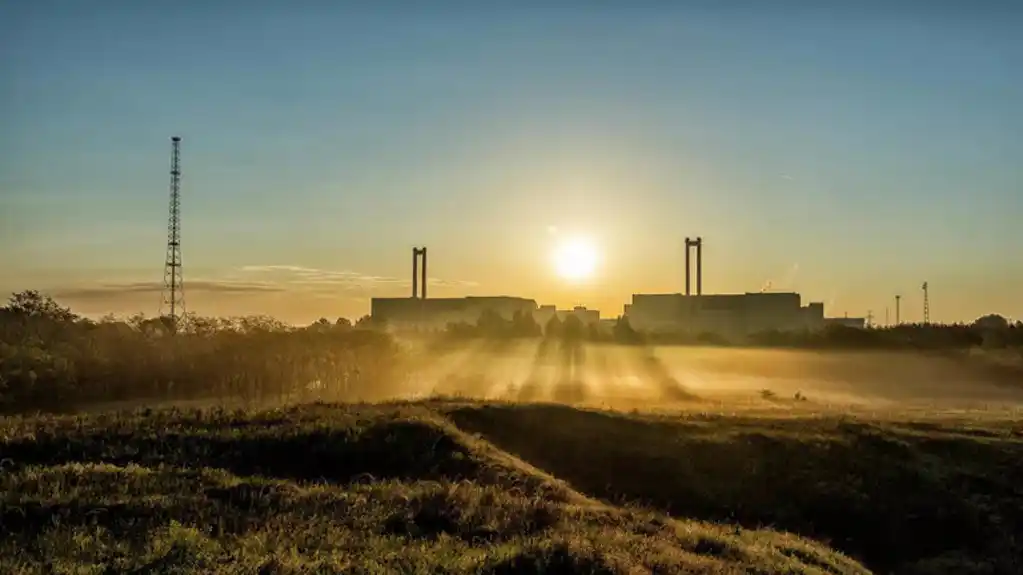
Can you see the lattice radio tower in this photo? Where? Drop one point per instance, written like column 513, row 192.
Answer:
column 927, row 304
column 173, row 302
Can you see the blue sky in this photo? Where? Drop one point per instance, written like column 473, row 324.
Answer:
column 849, row 154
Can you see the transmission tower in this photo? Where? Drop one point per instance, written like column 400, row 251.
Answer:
column 173, row 303
column 927, row 304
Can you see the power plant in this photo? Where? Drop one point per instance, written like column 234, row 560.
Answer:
column 724, row 314
column 676, row 313
column 418, row 312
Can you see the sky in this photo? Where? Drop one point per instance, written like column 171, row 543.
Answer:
column 849, row 154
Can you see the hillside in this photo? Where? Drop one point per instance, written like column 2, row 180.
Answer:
column 459, row 487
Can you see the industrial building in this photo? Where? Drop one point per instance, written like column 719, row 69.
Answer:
column 584, row 315
column 437, row 313
column 729, row 315
column 418, row 312
column 853, row 322
column 732, row 315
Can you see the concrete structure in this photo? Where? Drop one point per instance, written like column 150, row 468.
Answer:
column 856, row 322
column 586, row 316
column 730, row 315
column 725, row 314
column 437, row 313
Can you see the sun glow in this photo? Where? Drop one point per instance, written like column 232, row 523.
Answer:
column 576, row 259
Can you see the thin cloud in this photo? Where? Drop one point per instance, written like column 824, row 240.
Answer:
column 315, row 278
column 108, row 290
column 786, row 177
column 260, row 279
column 452, row 283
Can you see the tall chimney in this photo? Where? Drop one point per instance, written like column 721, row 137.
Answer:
column 699, row 266
column 415, row 272
column 424, row 271
column 688, row 266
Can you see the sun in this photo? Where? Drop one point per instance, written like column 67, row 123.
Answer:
column 576, row 259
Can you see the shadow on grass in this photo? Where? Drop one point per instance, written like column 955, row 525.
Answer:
column 891, row 499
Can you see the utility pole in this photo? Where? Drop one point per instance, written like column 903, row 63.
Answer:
column 173, row 301
column 927, row 305
column 898, row 301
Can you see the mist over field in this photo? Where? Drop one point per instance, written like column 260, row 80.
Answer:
column 612, row 375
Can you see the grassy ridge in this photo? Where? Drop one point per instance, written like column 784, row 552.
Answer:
column 371, row 489
column 461, row 487
column 904, row 496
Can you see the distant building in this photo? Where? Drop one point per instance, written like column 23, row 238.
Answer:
column 438, row 313
column 725, row 314
column 545, row 312
column 854, row 322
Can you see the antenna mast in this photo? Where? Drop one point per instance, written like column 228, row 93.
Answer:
column 173, row 303
column 927, row 304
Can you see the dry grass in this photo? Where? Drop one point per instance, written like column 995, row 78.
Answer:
column 354, row 489
column 457, row 487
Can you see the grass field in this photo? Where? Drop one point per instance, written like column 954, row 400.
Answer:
column 470, row 487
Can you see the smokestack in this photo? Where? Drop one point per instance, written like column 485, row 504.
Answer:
column 699, row 266
column 418, row 275
column 415, row 272
column 688, row 265
column 424, row 271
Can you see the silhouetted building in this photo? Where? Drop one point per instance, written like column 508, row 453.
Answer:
column 437, row 313
column 546, row 312
column 725, row 314
column 855, row 322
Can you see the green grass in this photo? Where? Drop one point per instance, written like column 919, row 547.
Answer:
column 459, row 487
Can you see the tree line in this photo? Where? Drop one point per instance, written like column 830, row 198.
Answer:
column 989, row 332
column 52, row 359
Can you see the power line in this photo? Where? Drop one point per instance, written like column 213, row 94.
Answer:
column 927, row 304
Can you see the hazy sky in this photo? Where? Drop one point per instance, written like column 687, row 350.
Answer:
column 848, row 154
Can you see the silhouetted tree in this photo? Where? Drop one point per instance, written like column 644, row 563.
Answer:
column 623, row 332
column 572, row 329
column 524, row 325
column 553, row 327
column 491, row 324
column 369, row 322
column 32, row 304
column 992, row 322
